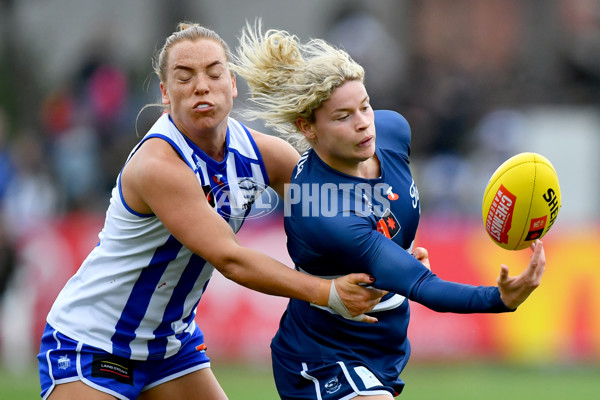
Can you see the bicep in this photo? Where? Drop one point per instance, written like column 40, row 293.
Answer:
column 172, row 192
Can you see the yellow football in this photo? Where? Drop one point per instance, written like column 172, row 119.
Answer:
column 521, row 201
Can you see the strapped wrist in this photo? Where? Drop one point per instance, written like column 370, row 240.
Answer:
column 336, row 303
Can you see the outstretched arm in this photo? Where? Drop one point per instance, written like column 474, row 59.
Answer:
column 513, row 290
column 361, row 249
column 156, row 180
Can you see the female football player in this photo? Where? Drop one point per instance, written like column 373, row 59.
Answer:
column 123, row 326
column 352, row 206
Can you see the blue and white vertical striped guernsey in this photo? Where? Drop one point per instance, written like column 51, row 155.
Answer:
column 136, row 293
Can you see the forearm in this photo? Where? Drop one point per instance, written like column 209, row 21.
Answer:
column 262, row 273
column 444, row 296
column 408, row 277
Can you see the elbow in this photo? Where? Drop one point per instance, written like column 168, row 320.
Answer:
column 232, row 267
column 232, row 270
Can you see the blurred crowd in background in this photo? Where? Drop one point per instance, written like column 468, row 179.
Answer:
column 75, row 74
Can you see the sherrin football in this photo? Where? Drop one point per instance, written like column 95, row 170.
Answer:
column 521, row 201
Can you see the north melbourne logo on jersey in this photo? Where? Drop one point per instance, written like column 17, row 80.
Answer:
column 249, row 191
column 234, row 200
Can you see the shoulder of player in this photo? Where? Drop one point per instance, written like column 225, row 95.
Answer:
column 155, row 159
column 154, row 170
column 269, row 144
column 392, row 129
column 390, row 119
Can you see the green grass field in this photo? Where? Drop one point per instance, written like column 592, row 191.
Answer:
column 424, row 382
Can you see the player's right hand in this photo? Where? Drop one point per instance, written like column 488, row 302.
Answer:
column 514, row 290
column 422, row 255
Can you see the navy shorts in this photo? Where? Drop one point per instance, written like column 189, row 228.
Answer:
column 62, row 360
column 339, row 380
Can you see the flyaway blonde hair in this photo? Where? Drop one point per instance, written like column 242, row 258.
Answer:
column 289, row 79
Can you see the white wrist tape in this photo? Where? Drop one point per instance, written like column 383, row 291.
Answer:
column 336, row 304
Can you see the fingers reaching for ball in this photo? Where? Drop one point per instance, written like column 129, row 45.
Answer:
column 515, row 290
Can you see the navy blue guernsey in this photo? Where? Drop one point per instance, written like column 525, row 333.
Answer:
column 337, row 224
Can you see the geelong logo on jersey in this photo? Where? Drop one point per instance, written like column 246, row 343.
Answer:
column 388, row 225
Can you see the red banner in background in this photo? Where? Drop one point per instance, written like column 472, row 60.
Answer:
column 560, row 322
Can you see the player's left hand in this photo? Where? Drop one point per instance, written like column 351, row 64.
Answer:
column 515, row 290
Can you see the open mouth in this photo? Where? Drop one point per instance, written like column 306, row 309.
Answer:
column 202, row 106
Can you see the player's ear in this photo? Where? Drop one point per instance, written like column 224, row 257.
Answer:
column 306, row 128
column 234, row 90
column 164, row 94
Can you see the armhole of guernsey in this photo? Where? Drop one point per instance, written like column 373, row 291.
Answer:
column 247, row 148
column 119, row 185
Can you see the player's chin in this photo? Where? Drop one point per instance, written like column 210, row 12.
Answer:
column 365, row 153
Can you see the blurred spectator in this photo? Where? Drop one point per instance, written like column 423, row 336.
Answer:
column 462, row 54
column 103, row 92
column 444, row 65
column 103, row 128
column 57, row 112
column 7, row 259
column 74, row 146
column 7, row 252
column 84, row 121
column 495, row 138
column 7, row 168
column 446, row 180
column 31, row 197
column 580, row 48
column 76, row 158
column 368, row 41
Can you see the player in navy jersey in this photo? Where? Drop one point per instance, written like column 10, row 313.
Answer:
column 123, row 326
column 352, row 206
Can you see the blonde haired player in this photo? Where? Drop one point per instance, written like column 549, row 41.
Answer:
column 123, row 326
column 368, row 208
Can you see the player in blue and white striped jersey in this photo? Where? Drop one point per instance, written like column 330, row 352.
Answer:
column 352, row 206
column 123, row 326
